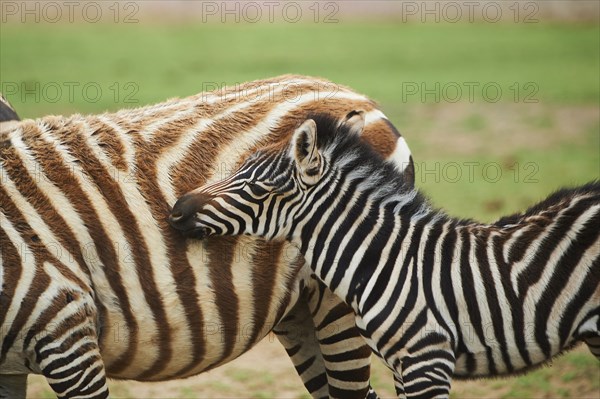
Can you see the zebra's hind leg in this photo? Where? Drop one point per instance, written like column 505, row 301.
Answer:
column 84, row 377
column 296, row 332
column 13, row 386
column 332, row 359
column 64, row 346
column 72, row 365
column 345, row 352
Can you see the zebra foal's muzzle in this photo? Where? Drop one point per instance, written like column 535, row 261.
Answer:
column 183, row 216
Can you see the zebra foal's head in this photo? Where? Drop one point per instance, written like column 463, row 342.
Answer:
column 264, row 196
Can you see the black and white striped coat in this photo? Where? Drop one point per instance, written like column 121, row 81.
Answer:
column 435, row 297
column 94, row 283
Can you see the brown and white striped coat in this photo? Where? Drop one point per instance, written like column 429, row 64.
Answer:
column 94, row 281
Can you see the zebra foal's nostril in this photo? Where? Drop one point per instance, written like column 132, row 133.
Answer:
column 179, row 213
column 175, row 217
column 184, row 210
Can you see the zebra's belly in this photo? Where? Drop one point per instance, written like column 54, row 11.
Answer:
column 179, row 364
column 236, row 302
column 220, row 343
column 496, row 360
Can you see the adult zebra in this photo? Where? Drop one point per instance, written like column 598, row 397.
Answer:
column 434, row 296
column 93, row 281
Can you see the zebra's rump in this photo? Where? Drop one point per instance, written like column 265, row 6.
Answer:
column 546, row 269
column 85, row 201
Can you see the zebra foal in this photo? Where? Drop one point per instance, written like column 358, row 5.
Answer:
column 93, row 281
column 434, row 296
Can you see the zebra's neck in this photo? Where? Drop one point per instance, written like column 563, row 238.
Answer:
column 346, row 229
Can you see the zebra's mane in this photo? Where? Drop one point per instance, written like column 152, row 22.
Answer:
column 557, row 200
column 348, row 151
column 358, row 160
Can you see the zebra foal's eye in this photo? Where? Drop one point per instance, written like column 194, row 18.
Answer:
column 257, row 189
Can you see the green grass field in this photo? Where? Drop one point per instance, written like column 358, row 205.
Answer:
column 477, row 159
column 378, row 59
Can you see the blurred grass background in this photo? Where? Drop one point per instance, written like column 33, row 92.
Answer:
column 374, row 58
column 475, row 158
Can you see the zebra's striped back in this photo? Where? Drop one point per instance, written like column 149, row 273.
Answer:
column 435, row 297
column 84, row 206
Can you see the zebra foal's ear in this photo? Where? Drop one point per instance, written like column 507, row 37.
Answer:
column 355, row 120
column 305, row 153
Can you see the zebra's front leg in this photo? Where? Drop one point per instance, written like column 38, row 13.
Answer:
column 427, row 374
column 13, row 386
